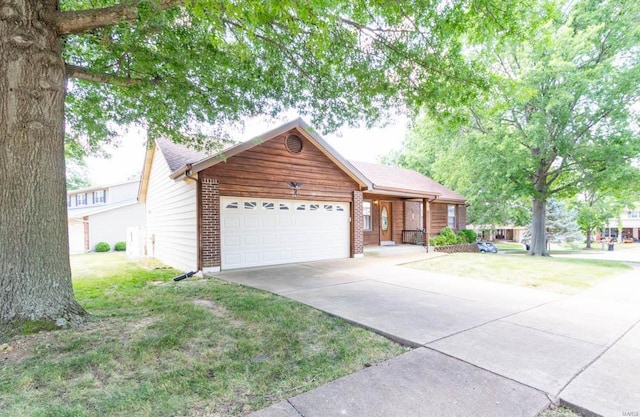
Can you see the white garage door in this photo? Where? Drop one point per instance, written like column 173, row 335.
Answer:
column 257, row 232
column 76, row 236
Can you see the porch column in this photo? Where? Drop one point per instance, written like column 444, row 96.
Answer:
column 357, row 225
column 210, row 225
column 426, row 221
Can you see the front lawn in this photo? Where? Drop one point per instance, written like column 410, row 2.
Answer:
column 566, row 276
column 197, row 347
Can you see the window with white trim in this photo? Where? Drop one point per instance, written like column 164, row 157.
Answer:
column 451, row 216
column 367, row 224
column 99, row 196
column 81, row 199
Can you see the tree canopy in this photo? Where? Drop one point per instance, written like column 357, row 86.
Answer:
column 190, row 71
column 560, row 111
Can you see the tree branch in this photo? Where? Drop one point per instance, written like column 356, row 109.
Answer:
column 80, row 21
column 81, row 73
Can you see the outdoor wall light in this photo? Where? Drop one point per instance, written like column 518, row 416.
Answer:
column 295, row 186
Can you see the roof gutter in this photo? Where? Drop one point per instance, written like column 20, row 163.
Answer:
column 405, row 191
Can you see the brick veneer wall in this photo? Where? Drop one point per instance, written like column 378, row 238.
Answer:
column 357, row 224
column 210, row 223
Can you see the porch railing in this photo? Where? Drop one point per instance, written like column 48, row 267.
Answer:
column 414, row 237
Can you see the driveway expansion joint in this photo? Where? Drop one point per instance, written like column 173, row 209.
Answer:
column 497, row 319
column 301, row 290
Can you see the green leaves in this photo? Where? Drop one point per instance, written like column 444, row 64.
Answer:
column 558, row 115
column 195, row 69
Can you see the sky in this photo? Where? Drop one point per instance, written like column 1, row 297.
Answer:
column 361, row 144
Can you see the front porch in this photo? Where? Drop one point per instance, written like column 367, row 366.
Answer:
column 397, row 250
column 393, row 220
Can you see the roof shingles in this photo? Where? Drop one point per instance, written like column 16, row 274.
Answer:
column 177, row 156
column 389, row 177
column 383, row 177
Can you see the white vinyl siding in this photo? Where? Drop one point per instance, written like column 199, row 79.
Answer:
column 111, row 226
column 171, row 218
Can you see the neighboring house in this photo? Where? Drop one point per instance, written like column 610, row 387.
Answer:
column 630, row 222
column 500, row 232
column 102, row 214
column 285, row 196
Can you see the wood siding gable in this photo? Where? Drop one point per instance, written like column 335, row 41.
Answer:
column 266, row 169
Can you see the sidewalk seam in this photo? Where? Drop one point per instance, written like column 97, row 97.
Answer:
column 588, row 365
column 294, row 407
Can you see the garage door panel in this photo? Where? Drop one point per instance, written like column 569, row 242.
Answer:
column 282, row 231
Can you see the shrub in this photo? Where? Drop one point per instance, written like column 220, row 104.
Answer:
column 120, row 246
column 447, row 237
column 103, row 247
column 469, row 235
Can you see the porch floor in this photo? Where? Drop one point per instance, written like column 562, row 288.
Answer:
column 393, row 250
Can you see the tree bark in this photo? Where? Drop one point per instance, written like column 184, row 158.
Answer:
column 589, row 238
column 35, row 274
column 538, row 228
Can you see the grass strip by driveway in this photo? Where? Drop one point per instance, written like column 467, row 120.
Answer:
column 192, row 348
column 562, row 275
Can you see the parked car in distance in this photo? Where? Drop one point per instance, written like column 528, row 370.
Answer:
column 485, row 247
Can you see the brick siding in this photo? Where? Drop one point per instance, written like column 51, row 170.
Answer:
column 357, row 224
column 210, row 223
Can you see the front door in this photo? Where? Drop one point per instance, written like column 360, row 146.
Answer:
column 385, row 221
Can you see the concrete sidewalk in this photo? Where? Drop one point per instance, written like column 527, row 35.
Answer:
column 482, row 348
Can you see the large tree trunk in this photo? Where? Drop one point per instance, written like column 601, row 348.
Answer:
column 589, row 238
column 538, row 228
column 35, row 275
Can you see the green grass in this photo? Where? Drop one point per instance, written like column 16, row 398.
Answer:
column 566, row 276
column 558, row 412
column 158, row 348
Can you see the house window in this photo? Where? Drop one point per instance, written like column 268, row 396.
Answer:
column 250, row 205
column 232, row 205
column 81, row 199
column 367, row 225
column 634, row 214
column 314, row 207
column 268, row 205
column 451, row 216
column 99, row 197
column 301, row 207
column 328, row 207
column 284, row 206
column 339, row 208
column 68, row 201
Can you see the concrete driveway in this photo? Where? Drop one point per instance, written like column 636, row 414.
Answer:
column 482, row 348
